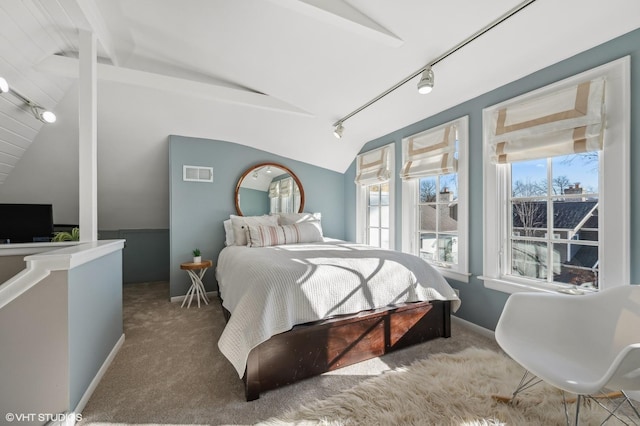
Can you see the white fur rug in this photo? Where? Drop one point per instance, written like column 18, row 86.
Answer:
column 443, row 390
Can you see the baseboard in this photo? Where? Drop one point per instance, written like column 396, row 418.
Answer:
column 96, row 380
column 475, row 327
column 210, row 294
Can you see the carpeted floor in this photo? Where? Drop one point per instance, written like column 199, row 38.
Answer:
column 446, row 389
column 170, row 371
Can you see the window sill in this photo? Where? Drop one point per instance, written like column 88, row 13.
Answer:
column 454, row 275
column 510, row 287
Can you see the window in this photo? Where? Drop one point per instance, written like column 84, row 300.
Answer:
column 554, row 219
column 284, row 196
column 556, row 185
column 378, row 214
column 438, row 219
column 435, row 198
column 374, row 202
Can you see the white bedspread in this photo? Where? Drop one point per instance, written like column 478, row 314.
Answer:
column 269, row 290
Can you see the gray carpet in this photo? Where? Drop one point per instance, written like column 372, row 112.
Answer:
column 170, row 371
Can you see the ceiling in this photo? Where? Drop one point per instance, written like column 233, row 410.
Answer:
column 275, row 74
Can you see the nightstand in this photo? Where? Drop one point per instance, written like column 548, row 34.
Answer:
column 196, row 271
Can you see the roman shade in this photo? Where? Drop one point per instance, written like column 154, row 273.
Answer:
column 566, row 121
column 274, row 190
column 286, row 185
column 373, row 166
column 432, row 152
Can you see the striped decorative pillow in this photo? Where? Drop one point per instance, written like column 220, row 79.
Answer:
column 264, row 236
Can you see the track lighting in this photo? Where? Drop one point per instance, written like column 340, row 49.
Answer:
column 426, row 81
column 425, row 85
column 42, row 114
column 38, row 112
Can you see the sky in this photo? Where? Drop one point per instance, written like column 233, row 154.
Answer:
column 582, row 168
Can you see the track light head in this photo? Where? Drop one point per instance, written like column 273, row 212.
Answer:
column 425, row 85
column 42, row 114
column 337, row 132
column 4, row 86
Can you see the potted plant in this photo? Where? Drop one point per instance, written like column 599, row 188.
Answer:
column 197, row 258
column 74, row 235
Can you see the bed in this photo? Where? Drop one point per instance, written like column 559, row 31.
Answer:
column 300, row 309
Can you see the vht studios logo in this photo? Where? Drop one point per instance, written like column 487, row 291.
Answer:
column 42, row 417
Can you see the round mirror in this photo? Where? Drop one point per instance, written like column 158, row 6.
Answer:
column 269, row 188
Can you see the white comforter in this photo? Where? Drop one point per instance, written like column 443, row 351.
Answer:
column 269, row 290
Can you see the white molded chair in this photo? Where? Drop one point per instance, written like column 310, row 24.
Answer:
column 583, row 344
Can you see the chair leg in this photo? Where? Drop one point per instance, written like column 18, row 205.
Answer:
column 613, row 411
column 633, row 407
column 565, row 403
column 525, row 383
column 579, row 399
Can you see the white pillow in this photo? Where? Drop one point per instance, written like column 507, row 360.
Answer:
column 238, row 222
column 291, row 218
column 308, row 232
column 229, row 239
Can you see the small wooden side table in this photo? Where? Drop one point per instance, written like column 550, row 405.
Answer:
column 197, row 287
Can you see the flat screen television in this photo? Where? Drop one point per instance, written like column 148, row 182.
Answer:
column 26, row 223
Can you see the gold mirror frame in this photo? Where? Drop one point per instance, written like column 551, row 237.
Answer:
column 259, row 166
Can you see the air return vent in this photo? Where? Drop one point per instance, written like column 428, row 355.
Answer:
column 197, row 174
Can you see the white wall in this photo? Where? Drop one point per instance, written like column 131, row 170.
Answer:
column 133, row 178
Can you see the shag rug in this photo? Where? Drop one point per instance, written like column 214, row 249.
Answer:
column 444, row 389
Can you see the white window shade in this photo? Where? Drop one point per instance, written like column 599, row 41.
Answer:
column 431, row 152
column 373, row 167
column 274, row 190
column 563, row 122
column 286, row 186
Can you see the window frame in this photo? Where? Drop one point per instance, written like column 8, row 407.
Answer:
column 410, row 205
column 362, row 216
column 614, row 194
column 368, row 223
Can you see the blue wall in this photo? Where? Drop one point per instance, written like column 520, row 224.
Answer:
column 480, row 305
column 198, row 209
column 254, row 202
column 95, row 319
column 145, row 257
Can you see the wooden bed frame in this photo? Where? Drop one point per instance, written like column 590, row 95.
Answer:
column 314, row 348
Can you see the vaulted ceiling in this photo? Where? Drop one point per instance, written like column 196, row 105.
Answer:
column 275, row 74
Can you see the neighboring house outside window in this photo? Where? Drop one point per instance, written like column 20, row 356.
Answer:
column 557, row 185
column 554, row 228
column 435, row 199
column 374, row 197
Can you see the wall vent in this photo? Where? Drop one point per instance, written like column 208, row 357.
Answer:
column 197, row 174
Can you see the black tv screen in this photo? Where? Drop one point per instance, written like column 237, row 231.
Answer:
column 26, row 223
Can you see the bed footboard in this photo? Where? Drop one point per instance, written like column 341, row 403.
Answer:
column 315, row 348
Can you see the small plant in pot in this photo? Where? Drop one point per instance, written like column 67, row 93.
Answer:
column 197, row 258
column 74, row 235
